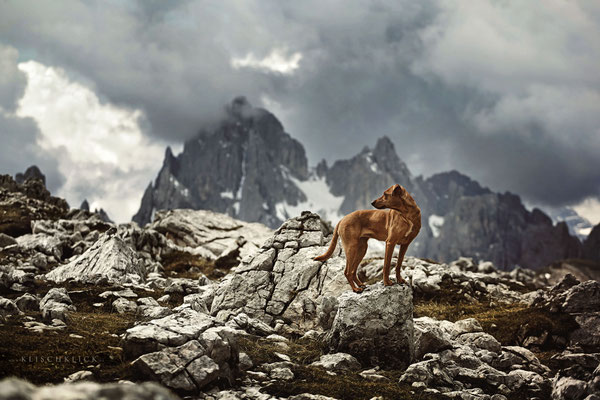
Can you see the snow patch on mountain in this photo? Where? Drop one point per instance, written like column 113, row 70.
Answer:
column 578, row 225
column 318, row 199
column 435, row 223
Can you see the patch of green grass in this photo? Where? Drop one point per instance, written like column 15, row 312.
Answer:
column 301, row 351
column 180, row 264
column 350, row 386
column 21, row 350
column 51, row 356
column 510, row 324
column 308, row 379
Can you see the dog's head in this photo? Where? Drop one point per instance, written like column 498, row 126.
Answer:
column 396, row 197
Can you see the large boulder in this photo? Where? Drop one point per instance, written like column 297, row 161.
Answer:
column 282, row 282
column 109, row 259
column 210, row 234
column 584, row 297
column 375, row 326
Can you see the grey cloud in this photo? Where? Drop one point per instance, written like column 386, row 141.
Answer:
column 19, row 136
column 12, row 81
column 453, row 87
column 19, row 150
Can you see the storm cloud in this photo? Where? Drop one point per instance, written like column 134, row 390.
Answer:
column 20, row 136
column 505, row 91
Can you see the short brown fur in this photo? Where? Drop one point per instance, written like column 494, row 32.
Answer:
column 400, row 224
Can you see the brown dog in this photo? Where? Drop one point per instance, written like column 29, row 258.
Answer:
column 398, row 225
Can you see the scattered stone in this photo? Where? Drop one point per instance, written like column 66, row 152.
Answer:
column 127, row 293
column 567, row 388
column 28, row 302
column 338, row 362
column 56, row 304
column 282, row 374
column 8, row 307
column 79, row 376
column 6, row 240
column 122, row 306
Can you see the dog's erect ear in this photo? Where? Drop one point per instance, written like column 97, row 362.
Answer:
column 398, row 190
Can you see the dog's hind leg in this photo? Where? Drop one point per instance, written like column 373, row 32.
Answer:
column 403, row 248
column 351, row 250
column 360, row 254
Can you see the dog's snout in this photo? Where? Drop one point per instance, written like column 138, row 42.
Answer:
column 374, row 203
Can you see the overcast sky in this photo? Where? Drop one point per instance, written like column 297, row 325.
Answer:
column 507, row 92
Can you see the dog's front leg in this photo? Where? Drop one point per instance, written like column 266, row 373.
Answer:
column 399, row 278
column 387, row 263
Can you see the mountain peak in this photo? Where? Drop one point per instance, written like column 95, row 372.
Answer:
column 33, row 172
column 241, row 108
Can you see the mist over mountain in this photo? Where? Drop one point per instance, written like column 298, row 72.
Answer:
column 248, row 167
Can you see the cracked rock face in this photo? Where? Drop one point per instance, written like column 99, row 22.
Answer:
column 172, row 330
column 281, row 281
column 110, row 258
column 192, row 365
column 375, row 326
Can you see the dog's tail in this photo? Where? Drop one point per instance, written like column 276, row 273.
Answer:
column 331, row 248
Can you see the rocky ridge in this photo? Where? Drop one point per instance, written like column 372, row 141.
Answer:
column 251, row 169
column 280, row 325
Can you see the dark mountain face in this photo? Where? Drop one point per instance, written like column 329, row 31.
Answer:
column 242, row 168
column 591, row 245
column 364, row 177
column 250, row 168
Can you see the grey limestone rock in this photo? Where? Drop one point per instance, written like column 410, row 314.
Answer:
column 209, row 234
column 338, row 362
column 56, row 304
column 14, row 388
column 172, row 330
column 110, row 259
column 8, row 307
column 369, row 324
column 191, row 366
column 284, row 283
column 28, row 302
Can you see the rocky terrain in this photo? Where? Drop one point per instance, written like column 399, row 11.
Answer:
column 200, row 305
column 249, row 168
